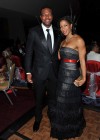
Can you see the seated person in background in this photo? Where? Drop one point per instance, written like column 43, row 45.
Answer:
column 92, row 86
column 20, row 77
column 2, row 68
column 7, row 54
column 2, row 64
column 94, row 54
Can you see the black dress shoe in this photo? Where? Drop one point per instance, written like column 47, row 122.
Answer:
column 36, row 126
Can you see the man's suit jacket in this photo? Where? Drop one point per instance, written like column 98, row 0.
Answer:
column 38, row 57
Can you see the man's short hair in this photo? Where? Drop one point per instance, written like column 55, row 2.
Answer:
column 43, row 7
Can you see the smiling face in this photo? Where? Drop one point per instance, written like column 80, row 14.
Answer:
column 46, row 17
column 65, row 27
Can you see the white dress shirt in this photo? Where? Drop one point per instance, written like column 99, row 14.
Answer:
column 93, row 56
column 50, row 31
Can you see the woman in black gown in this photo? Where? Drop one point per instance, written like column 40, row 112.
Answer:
column 67, row 119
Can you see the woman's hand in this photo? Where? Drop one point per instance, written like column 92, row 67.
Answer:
column 79, row 81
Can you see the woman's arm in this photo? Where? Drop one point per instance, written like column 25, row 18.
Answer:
column 82, row 52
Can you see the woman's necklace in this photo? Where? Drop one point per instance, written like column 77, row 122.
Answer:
column 67, row 39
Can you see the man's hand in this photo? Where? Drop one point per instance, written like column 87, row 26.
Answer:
column 29, row 78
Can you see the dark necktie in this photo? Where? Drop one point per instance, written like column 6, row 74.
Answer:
column 49, row 43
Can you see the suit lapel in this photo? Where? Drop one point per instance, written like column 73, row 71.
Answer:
column 42, row 37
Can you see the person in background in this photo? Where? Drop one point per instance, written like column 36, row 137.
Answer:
column 41, row 62
column 2, row 63
column 67, row 119
column 7, row 55
column 94, row 54
column 3, row 68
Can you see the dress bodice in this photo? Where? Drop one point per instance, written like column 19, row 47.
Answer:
column 68, row 67
column 69, row 53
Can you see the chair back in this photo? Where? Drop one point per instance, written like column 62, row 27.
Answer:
column 11, row 74
column 93, row 66
column 16, row 59
column 93, row 76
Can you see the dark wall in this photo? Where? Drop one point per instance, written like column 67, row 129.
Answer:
column 4, row 30
column 89, row 23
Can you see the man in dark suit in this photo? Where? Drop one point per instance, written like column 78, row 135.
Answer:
column 42, row 62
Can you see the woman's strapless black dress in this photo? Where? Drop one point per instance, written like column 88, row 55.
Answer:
column 67, row 120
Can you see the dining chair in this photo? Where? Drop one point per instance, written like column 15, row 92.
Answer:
column 6, row 85
column 93, row 79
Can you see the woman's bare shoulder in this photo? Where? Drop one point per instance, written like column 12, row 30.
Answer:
column 79, row 38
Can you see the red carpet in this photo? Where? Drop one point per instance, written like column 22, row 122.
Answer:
column 23, row 102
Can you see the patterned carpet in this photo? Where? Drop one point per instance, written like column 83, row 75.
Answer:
column 9, row 114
